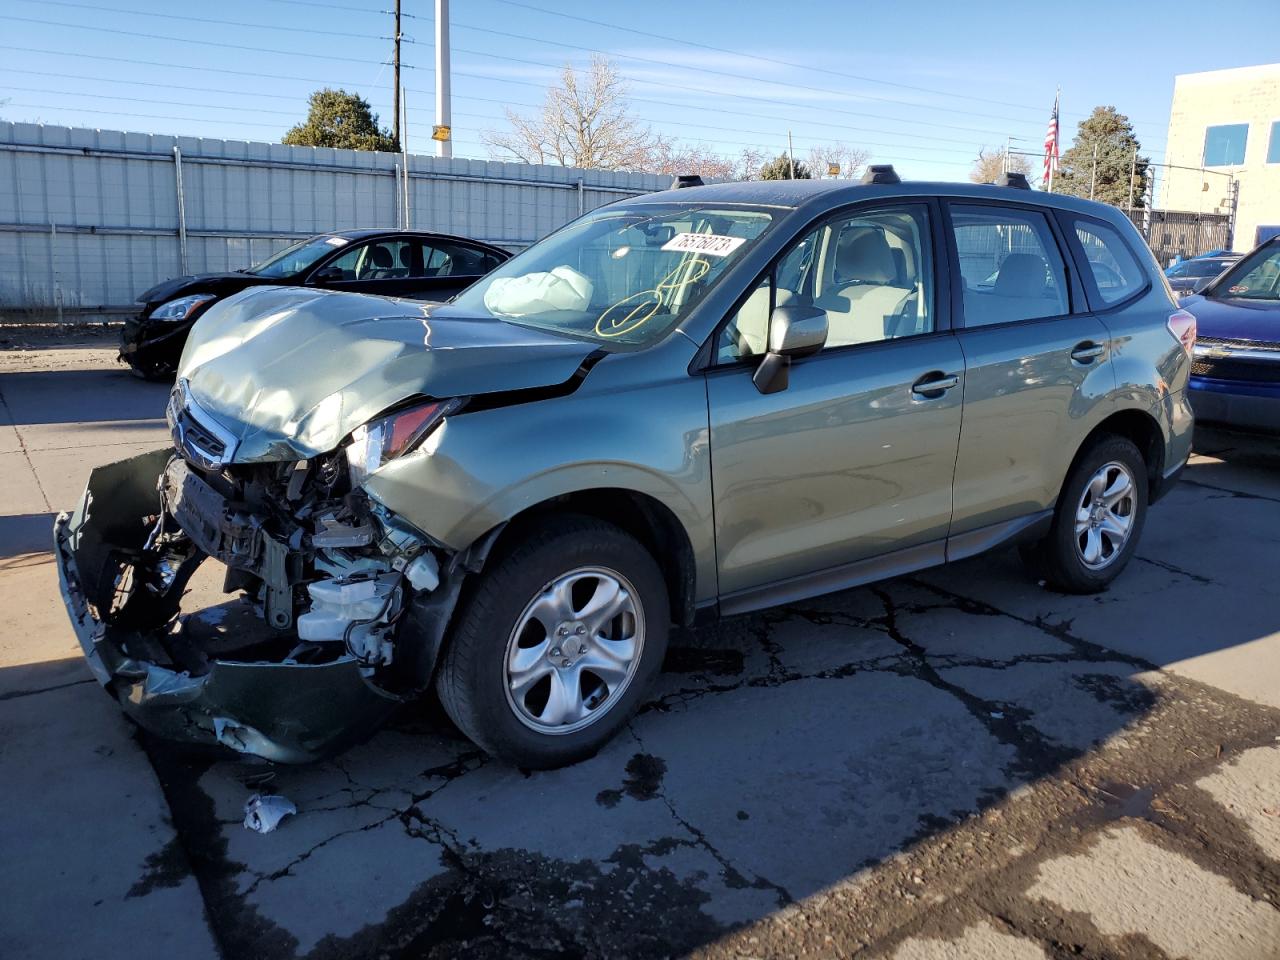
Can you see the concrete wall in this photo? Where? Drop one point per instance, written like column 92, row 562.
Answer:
column 90, row 218
column 1245, row 95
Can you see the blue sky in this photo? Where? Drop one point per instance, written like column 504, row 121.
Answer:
column 922, row 85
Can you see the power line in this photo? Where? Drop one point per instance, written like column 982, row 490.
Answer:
column 191, row 19
column 168, row 39
column 784, row 63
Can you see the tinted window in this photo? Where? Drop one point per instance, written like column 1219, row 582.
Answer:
column 456, row 260
column 871, row 273
column 1273, row 145
column 1010, row 265
column 1224, row 145
column 1115, row 271
column 380, row 260
column 298, row 257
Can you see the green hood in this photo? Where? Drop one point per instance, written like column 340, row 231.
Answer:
column 291, row 372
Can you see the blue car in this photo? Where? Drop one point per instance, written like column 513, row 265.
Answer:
column 1235, row 374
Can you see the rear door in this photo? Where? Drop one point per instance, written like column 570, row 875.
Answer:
column 1037, row 362
column 854, row 459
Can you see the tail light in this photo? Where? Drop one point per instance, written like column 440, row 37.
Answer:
column 1183, row 327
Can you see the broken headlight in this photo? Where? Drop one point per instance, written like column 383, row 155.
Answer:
column 395, row 434
column 184, row 308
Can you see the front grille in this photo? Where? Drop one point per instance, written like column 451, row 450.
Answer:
column 195, row 435
column 1244, row 371
column 1265, row 345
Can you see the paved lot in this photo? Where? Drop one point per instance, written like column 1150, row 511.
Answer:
column 958, row 764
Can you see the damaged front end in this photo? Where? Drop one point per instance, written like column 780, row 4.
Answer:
column 339, row 609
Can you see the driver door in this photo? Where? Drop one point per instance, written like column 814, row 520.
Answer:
column 855, row 459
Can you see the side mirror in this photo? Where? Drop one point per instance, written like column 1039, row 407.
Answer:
column 794, row 332
column 327, row 275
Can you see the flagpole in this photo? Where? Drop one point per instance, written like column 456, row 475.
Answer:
column 1053, row 161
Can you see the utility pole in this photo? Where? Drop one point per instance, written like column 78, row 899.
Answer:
column 791, row 154
column 1133, row 176
column 395, row 94
column 1093, row 176
column 442, row 133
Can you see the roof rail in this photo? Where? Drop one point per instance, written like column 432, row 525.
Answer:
column 1018, row 181
column 880, row 173
column 686, row 180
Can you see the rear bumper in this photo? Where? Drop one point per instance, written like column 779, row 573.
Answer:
column 1251, row 405
column 285, row 712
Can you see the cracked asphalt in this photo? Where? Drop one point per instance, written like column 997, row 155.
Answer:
column 952, row 765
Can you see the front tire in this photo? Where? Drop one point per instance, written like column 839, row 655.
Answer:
column 1098, row 520
column 555, row 647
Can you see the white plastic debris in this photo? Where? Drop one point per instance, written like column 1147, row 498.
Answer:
column 264, row 813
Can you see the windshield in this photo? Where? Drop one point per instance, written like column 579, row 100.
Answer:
column 1256, row 277
column 299, row 257
column 621, row 276
column 1198, row 268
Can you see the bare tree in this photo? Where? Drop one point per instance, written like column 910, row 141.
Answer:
column 672, row 157
column 851, row 160
column 990, row 164
column 585, row 122
column 750, row 162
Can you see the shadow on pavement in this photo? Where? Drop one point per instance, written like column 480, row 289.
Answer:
column 25, row 533
column 81, row 396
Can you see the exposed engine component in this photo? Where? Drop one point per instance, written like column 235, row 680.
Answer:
column 358, row 611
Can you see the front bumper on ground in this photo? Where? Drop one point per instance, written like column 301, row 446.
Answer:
column 286, row 712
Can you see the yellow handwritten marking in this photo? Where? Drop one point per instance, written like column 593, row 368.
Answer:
column 694, row 269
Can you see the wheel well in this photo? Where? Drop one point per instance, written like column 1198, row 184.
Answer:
column 1144, row 431
column 647, row 519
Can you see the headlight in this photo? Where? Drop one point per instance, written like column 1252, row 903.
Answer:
column 183, row 308
column 382, row 440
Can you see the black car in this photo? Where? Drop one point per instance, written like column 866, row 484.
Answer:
column 1192, row 276
column 398, row 263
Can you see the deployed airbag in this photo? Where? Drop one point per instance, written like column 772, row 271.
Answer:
column 562, row 289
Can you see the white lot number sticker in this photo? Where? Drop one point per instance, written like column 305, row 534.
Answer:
column 336, row 241
column 711, row 243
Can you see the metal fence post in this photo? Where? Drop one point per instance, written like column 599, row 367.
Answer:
column 54, row 284
column 582, row 197
column 182, row 210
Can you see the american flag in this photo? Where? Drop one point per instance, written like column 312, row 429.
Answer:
column 1051, row 144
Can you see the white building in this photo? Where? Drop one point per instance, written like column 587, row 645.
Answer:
column 1227, row 122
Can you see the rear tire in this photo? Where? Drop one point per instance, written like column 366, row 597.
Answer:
column 518, row 675
column 1098, row 519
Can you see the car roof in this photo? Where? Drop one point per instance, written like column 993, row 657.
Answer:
column 796, row 194
column 371, row 232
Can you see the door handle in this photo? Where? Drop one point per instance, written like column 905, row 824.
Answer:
column 933, row 385
column 1087, row 351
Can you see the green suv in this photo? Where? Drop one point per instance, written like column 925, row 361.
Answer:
column 686, row 405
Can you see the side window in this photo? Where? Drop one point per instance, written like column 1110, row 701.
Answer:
column 1010, row 265
column 872, row 273
column 454, row 260
column 746, row 334
column 1116, row 273
column 380, row 260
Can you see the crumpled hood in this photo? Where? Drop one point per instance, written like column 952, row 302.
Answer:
column 291, row 372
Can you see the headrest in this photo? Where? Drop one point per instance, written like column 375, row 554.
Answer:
column 1021, row 275
column 406, row 255
column 863, row 255
column 382, row 258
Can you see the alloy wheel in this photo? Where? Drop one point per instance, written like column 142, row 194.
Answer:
column 574, row 650
column 1105, row 514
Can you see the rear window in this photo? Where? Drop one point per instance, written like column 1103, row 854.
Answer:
column 1116, row 273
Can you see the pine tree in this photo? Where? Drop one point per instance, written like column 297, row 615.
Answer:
column 340, row 119
column 780, row 169
column 1113, row 135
